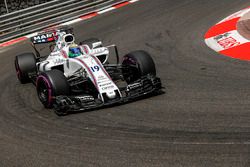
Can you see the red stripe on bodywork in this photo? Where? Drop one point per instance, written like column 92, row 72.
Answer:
column 241, row 52
column 222, row 28
column 86, row 50
column 64, row 54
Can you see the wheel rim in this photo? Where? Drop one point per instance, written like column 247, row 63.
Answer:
column 44, row 91
column 134, row 72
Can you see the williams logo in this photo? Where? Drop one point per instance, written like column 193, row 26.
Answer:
column 43, row 38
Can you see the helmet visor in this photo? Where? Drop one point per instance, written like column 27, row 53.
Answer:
column 75, row 50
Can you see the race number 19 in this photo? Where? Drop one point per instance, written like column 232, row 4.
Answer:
column 95, row 68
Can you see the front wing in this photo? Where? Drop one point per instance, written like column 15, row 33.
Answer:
column 147, row 85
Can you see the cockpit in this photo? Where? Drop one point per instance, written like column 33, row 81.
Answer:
column 74, row 51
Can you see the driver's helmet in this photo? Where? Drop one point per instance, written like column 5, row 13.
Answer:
column 74, row 51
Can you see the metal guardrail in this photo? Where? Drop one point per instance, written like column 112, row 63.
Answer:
column 27, row 10
column 52, row 13
column 24, row 19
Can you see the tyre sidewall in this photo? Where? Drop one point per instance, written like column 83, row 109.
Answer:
column 25, row 64
column 141, row 64
column 55, row 83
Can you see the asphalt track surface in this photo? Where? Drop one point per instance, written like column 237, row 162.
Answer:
column 203, row 119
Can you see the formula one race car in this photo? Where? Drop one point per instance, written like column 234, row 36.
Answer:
column 80, row 77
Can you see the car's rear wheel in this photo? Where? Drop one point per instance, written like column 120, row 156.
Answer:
column 25, row 64
column 50, row 84
column 137, row 64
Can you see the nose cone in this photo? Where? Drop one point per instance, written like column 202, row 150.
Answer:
column 111, row 95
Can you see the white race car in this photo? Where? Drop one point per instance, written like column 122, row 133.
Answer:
column 80, row 77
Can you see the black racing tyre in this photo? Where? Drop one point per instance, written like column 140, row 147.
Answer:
column 90, row 41
column 25, row 64
column 137, row 64
column 50, row 84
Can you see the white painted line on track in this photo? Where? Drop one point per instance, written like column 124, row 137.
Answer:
column 132, row 1
column 106, row 10
column 72, row 21
column 31, row 35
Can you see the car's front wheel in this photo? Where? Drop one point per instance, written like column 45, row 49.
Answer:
column 137, row 64
column 50, row 84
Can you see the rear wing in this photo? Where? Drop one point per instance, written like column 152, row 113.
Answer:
column 50, row 34
column 43, row 38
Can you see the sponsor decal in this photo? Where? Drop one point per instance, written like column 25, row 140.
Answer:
column 227, row 41
column 134, row 86
column 58, row 61
column 43, row 38
column 98, row 50
column 102, row 79
column 108, row 87
column 105, row 84
column 85, row 98
column 222, row 36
